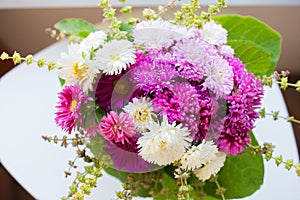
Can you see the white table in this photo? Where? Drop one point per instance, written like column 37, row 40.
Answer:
column 27, row 106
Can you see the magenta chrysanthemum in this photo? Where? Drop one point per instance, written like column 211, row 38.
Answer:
column 205, row 113
column 165, row 102
column 117, row 128
column 70, row 101
column 242, row 105
column 155, row 72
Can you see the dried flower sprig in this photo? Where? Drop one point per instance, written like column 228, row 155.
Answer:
column 276, row 116
column 17, row 59
column 267, row 149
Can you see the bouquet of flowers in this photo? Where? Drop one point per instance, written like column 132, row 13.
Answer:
column 166, row 106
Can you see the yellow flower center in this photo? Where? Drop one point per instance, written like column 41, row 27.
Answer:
column 115, row 57
column 79, row 72
column 73, row 105
column 162, row 145
column 141, row 115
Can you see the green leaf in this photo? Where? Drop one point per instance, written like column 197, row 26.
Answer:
column 253, row 56
column 76, row 27
column 241, row 175
column 168, row 184
column 249, row 29
column 61, row 81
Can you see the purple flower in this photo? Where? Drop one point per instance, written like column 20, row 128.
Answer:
column 242, row 105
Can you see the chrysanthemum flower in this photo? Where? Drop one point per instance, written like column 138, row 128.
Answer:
column 214, row 33
column 157, row 34
column 93, row 40
column 211, row 168
column 200, row 155
column 166, row 103
column 115, row 56
column 154, row 72
column 141, row 111
column 243, row 104
column 76, row 68
column 117, row 128
column 70, row 101
column 188, row 100
column 219, row 77
column 191, row 59
column 164, row 143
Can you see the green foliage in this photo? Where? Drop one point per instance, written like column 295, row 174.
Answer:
column 76, row 27
column 254, row 42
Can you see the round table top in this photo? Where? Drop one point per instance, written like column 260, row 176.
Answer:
column 27, row 106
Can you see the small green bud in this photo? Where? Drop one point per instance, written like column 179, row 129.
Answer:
column 268, row 155
column 4, row 56
column 126, row 9
column 298, row 86
column 297, row 167
column 289, row 164
column 291, row 118
column 51, row 65
column 41, row 62
column 29, row 59
column 262, row 113
column 16, row 58
column 220, row 191
column 284, row 83
column 88, row 169
column 103, row 3
column 278, row 160
column 275, row 115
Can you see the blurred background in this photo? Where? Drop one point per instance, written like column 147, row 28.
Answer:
column 23, row 30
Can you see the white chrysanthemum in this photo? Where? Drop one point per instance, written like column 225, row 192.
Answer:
column 158, row 34
column 141, row 111
column 115, row 56
column 226, row 51
column 219, row 77
column 212, row 168
column 214, row 33
column 93, row 40
column 75, row 68
column 164, row 143
column 197, row 156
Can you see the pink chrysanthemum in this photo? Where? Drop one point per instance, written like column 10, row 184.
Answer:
column 190, row 110
column 242, row 110
column 117, row 128
column 70, row 101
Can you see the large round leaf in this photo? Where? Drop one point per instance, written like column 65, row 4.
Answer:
column 246, row 29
